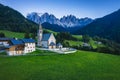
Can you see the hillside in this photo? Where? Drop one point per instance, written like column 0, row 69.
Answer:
column 12, row 20
column 53, row 27
column 82, row 65
column 76, row 41
column 11, row 34
column 105, row 27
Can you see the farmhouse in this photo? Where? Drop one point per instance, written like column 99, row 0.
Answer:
column 46, row 40
column 18, row 46
column 29, row 45
column 4, row 41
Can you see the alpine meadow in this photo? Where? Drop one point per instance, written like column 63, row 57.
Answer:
column 59, row 40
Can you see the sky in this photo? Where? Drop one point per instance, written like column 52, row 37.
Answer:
column 79, row 8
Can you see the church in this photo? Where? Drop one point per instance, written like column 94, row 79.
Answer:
column 45, row 40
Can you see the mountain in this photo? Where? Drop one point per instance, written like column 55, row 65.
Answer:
column 106, row 27
column 12, row 20
column 65, row 21
column 72, row 21
column 53, row 27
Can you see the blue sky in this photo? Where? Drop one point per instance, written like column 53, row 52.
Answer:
column 79, row 8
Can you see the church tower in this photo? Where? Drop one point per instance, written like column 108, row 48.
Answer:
column 39, row 36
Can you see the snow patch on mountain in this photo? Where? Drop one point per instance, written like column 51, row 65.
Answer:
column 65, row 21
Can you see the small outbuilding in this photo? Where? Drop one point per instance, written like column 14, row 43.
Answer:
column 59, row 45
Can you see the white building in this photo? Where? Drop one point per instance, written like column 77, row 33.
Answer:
column 59, row 45
column 18, row 46
column 46, row 40
column 4, row 41
column 29, row 45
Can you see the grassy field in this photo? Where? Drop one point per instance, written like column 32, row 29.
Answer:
column 72, row 43
column 82, row 65
column 80, row 42
column 11, row 34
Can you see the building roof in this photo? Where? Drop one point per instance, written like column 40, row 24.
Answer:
column 5, row 39
column 85, row 44
column 52, row 44
column 59, row 44
column 7, row 46
column 16, row 42
column 28, row 40
column 46, row 37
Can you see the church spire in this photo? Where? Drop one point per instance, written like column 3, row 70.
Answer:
column 40, row 33
column 40, row 27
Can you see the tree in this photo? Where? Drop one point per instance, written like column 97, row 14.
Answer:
column 27, row 35
column 85, row 38
column 66, row 44
column 2, row 34
column 33, row 36
column 65, row 36
column 96, row 38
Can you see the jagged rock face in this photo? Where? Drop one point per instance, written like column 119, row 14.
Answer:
column 65, row 21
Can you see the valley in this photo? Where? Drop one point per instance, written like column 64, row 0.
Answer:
column 82, row 65
column 59, row 40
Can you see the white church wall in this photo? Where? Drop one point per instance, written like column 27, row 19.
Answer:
column 44, row 44
column 52, row 39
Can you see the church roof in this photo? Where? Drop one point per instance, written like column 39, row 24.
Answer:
column 4, row 39
column 52, row 44
column 46, row 37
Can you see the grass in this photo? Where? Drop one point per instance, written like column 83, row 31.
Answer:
column 11, row 34
column 74, row 43
column 42, row 52
column 19, row 35
column 82, row 65
column 78, row 37
column 94, row 45
column 3, row 53
column 51, row 31
column 80, row 42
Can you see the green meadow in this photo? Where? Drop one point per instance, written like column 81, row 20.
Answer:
column 11, row 34
column 19, row 35
column 81, row 65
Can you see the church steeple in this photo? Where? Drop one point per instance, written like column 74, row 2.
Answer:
column 39, row 35
column 40, row 27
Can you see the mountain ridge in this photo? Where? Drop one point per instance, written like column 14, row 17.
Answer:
column 65, row 21
column 106, row 27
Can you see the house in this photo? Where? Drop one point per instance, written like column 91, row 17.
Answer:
column 46, row 40
column 18, row 46
column 85, row 45
column 98, row 42
column 4, row 41
column 29, row 45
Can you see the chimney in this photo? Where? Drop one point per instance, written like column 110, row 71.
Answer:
column 16, row 38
